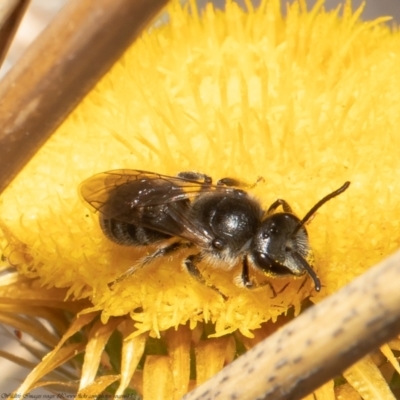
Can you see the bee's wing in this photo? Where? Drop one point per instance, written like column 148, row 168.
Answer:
column 175, row 220
column 140, row 189
column 149, row 200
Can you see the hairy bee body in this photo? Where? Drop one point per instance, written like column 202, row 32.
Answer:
column 140, row 208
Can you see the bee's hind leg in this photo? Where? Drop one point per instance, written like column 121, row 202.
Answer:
column 161, row 252
column 165, row 251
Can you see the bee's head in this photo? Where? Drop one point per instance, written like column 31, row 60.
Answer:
column 280, row 247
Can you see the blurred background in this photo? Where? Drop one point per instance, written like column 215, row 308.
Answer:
column 37, row 17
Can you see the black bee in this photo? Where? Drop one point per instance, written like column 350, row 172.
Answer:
column 139, row 208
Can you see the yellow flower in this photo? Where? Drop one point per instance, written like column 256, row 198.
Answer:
column 307, row 101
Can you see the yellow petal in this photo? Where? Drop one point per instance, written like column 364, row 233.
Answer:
column 97, row 387
column 132, row 352
column 366, row 378
column 385, row 349
column 210, row 357
column 97, row 339
column 346, row 392
column 48, row 364
column 158, row 381
column 326, row 391
column 178, row 345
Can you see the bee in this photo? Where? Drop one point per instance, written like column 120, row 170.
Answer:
column 222, row 221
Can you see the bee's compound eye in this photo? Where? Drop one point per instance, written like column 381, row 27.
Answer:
column 262, row 259
column 218, row 244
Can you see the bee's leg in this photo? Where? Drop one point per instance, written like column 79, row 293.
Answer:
column 232, row 182
column 164, row 251
column 247, row 283
column 277, row 203
column 245, row 276
column 191, row 266
column 203, row 178
column 195, row 176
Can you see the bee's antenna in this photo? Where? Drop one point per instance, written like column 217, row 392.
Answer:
column 318, row 205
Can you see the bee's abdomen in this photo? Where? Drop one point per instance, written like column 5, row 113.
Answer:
column 129, row 234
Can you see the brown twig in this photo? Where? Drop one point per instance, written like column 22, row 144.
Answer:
column 318, row 345
column 63, row 64
column 11, row 13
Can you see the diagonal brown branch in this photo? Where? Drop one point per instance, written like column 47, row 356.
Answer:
column 63, row 64
column 318, row 345
column 11, row 13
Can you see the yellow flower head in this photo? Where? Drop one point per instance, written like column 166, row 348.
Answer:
column 306, row 101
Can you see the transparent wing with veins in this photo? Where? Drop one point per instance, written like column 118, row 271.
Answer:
column 150, row 200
